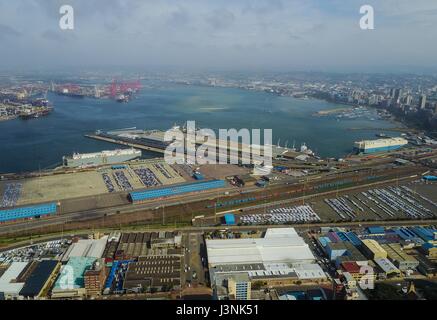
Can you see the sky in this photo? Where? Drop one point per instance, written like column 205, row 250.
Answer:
column 283, row 35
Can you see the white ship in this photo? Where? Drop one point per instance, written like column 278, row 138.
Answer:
column 379, row 145
column 100, row 158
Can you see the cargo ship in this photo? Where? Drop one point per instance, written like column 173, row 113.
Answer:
column 379, row 145
column 100, row 158
column 35, row 113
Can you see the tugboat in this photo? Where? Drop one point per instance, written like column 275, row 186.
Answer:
column 123, row 98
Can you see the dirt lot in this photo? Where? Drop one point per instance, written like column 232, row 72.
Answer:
column 89, row 183
column 220, row 171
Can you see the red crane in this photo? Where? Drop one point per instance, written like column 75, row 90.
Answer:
column 123, row 87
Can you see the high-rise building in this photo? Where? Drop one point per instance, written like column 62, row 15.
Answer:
column 239, row 287
column 95, row 279
column 422, row 102
column 397, row 95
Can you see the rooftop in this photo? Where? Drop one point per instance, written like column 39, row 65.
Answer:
column 278, row 245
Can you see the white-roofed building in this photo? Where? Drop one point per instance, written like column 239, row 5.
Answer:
column 388, row 268
column 86, row 248
column 280, row 258
column 8, row 285
column 278, row 245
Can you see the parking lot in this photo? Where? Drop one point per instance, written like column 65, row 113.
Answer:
column 11, row 194
column 52, row 249
column 296, row 214
column 406, row 201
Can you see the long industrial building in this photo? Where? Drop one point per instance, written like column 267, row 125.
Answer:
column 27, row 212
column 280, row 258
column 278, row 245
column 139, row 196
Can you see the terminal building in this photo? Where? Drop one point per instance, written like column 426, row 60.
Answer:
column 280, row 258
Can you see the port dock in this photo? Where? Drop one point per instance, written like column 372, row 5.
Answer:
column 126, row 143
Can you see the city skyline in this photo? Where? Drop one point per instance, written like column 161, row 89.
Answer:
column 242, row 35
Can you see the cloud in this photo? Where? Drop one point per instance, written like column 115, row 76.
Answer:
column 221, row 18
column 223, row 33
column 6, row 31
column 57, row 36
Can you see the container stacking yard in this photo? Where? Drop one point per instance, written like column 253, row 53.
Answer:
column 139, row 196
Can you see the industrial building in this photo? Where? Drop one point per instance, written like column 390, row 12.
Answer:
column 27, row 212
column 388, row 268
column 280, row 258
column 163, row 192
column 373, row 249
column 40, row 279
column 89, row 248
column 430, row 250
column 133, row 245
column 70, row 283
column 229, row 219
column 399, row 257
column 278, row 245
column 161, row 273
column 425, row 234
column 9, row 287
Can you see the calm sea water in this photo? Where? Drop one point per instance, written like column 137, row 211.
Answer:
column 41, row 143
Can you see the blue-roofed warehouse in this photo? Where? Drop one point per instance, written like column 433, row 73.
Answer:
column 376, row 230
column 27, row 212
column 430, row 178
column 425, row 234
column 229, row 219
column 405, row 233
column 139, row 196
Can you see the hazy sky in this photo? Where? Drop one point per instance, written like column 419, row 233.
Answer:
column 221, row 34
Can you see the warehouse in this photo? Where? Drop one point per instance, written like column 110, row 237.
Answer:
column 86, row 248
column 388, row 268
column 335, row 249
column 425, row 233
column 430, row 250
column 157, row 193
column 40, row 279
column 70, row 283
column 153, row 272
column 133, row 245
column 399, row 257
column 9, row 286
column 278, row 245
column 281, row 258
column 352, row 254
column 373, row 249
column 28, row 212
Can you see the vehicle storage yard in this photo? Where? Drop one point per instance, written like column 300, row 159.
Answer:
column 138, row 175
column 282, row 216
column 407, row 201
column 410, row 201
